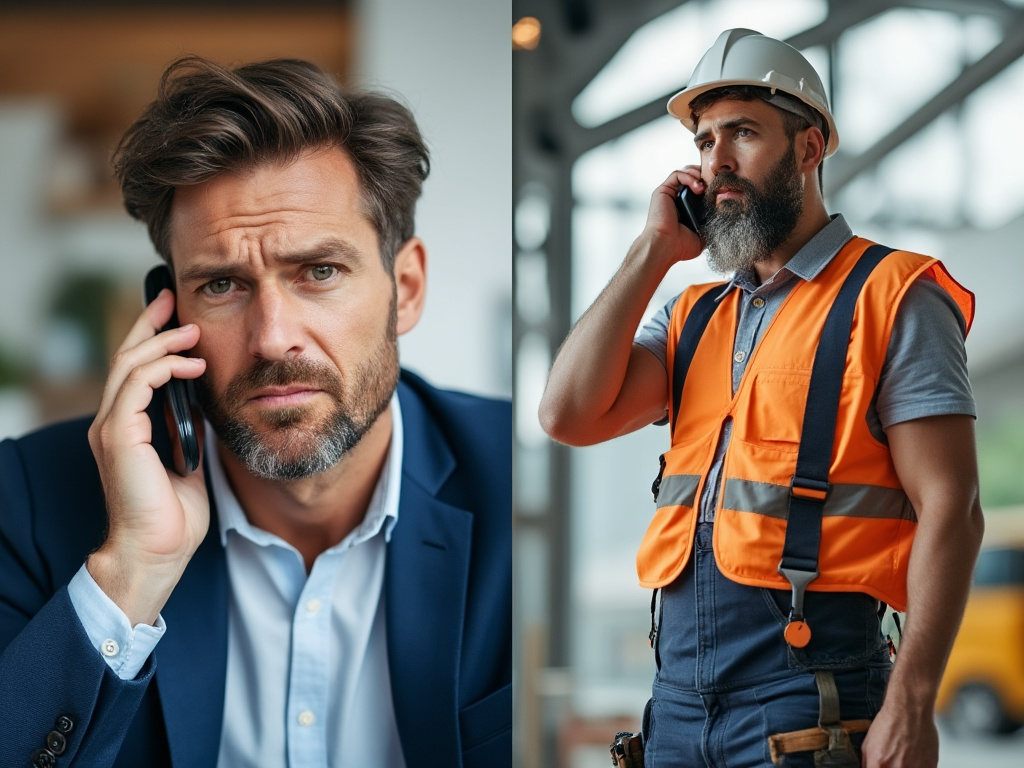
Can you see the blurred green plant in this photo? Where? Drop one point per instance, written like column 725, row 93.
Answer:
column 12, row 372
column 84, row 299
column 1001, row 461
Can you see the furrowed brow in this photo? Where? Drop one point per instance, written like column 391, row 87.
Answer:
column 728, row 125
column 328, row 250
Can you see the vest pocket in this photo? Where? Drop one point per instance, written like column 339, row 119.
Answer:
column 773, row 411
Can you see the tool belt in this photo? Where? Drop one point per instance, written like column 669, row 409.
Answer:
column 830, row 740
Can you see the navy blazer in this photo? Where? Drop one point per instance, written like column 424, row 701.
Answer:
column 447, row 588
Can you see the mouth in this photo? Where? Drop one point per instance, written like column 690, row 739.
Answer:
column 284, row 397
column 728, row 193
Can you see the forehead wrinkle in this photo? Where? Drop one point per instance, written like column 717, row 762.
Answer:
column 215, row 266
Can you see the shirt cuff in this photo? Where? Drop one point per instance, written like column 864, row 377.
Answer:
column 125, row 649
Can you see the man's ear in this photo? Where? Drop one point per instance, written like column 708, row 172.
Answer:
column 810, row 149
column 410, row 283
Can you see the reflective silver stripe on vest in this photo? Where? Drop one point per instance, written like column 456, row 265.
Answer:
column 844, row 500
column 678, row 490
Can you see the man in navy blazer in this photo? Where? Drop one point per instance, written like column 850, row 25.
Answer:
column 194, row 634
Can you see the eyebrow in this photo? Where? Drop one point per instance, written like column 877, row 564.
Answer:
column 326, row 250
column 727, row 125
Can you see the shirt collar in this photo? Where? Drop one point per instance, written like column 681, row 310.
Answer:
column 382, row 512
column 807, row 263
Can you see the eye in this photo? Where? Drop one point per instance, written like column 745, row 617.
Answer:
column 322, row 272
column 741, row 132
column 704, row 146
column 220, row 286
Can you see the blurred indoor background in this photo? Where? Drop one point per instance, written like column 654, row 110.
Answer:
column 928, row 96
column 73, row 75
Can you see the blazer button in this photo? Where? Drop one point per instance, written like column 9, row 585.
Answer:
column 65, row 724
column 43, row 758
column 56, row 743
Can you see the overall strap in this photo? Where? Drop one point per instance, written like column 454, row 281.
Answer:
column 696, row 321
column 809, row 487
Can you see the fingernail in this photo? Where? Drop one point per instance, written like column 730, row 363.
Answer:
column 188, row 327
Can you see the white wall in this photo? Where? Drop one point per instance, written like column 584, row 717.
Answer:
column 451, row 62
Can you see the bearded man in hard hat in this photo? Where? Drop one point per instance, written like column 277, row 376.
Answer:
column 822, row 461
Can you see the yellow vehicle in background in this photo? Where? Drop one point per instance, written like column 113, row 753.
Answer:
column 982, row 691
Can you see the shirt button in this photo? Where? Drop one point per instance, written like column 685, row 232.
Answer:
column 110, row 648
column 306, row 718
column 758, row 302
column 740, row 356
column 312, row 606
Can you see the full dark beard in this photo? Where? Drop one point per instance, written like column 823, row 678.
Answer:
column 296, row 443
column 738, row 236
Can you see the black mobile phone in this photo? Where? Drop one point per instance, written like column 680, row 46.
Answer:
column 690, row 207
column 178, row 393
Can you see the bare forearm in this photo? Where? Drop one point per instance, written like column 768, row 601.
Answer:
column 937, row 464
column 939, row 578
column 590, row 368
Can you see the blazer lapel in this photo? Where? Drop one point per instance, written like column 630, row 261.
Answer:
column 425, row 585
column 192, row 655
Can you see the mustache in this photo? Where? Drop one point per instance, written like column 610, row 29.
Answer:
column 281, row 373
column 729, row 180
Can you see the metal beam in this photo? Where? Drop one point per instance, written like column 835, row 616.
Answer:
column 841, row 16
column 996, row 9
column 843, row 169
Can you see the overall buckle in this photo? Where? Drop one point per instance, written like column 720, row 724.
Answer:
column 797, row 632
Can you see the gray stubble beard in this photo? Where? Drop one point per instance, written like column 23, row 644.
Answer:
column 329, row 440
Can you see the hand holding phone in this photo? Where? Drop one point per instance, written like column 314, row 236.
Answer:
column 177, row 392
column 157, row 518
column 690, row 209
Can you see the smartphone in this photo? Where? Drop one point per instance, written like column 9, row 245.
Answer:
column 178, row 393
column 690, row 207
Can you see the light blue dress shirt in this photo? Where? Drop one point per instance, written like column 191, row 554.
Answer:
column 307, row 668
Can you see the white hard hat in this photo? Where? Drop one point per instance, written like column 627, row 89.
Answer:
column 746, row 57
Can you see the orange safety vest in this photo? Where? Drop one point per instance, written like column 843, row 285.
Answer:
column 867, row 521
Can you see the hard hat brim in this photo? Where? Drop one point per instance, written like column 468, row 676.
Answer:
column 679, row 106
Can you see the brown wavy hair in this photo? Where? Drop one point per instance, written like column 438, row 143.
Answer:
column 208, row 119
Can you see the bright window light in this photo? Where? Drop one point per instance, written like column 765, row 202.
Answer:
column 660, row 56
column 890, row 66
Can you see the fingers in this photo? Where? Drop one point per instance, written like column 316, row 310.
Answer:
column 688, row 176
column 123, row 419
column 663, row 217
column 153, row 318
column 136, row 393
column 152, row 349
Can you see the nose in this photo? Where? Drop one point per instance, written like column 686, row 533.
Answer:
column 274, row 325
column 720, row 159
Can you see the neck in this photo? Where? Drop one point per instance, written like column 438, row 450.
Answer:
column 317, row 512
column 813, row 220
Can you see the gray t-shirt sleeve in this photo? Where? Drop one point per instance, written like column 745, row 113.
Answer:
column 925, row 372
column 653, row 336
